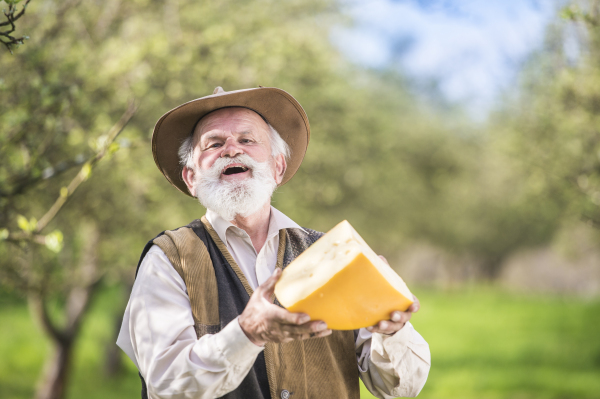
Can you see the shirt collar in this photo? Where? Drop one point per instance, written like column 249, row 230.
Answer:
column 277, row 221
column 280, row 221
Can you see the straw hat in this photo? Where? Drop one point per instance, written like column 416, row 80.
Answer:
column 276, row 106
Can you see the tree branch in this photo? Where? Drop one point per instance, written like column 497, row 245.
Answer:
column 85, row 170
column 66, row 192
column 5, row 36
column 38, row 307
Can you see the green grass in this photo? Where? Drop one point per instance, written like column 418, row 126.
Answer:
column 485, row 343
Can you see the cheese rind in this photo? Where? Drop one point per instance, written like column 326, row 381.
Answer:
column 341, row 281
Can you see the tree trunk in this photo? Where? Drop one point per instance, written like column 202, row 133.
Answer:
column 491, row 268
column 55, row 378
column 55, row 372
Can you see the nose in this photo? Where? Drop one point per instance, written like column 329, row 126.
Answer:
column 231, row 148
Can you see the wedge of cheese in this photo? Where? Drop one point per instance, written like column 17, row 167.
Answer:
column 340, row 280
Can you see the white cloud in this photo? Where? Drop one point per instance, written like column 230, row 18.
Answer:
column 471, row 47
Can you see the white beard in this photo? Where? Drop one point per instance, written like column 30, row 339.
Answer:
column 239, row 197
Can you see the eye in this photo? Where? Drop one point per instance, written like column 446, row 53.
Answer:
column 245, row 141
column 214, row 145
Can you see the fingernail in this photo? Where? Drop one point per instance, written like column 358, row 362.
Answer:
column 304, row 319
column 396, row 316
column 369, row 328
column 384, row 325
column 322, row 326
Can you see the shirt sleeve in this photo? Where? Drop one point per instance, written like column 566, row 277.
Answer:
column 174, row 363
column 396, row 365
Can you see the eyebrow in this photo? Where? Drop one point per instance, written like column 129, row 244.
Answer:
column 219, row 135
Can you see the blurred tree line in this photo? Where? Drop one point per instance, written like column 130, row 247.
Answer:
column 78, row 200
column 550, row 128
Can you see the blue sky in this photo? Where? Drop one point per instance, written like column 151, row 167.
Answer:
column 472, row 47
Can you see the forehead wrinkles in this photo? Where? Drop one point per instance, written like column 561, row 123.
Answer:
column 234, row 120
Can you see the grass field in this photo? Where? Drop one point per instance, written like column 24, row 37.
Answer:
column 485, row 343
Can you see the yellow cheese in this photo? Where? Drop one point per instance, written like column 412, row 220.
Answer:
column 340, row 280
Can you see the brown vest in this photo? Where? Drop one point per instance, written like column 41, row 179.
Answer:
column 315, row 368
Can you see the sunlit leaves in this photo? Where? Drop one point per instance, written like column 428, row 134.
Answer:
column 113, row 147
column 54, row 241
column 26, row 225
column 86, row 171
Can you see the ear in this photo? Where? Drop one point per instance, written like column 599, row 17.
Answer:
column 189, row 177
column 280, row 167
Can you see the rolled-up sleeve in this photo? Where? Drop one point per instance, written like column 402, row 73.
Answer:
column 393, row 366
column 158, row 335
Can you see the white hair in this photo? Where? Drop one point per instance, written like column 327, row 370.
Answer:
column 278, row 146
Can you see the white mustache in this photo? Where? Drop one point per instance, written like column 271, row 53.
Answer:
column 214, row 172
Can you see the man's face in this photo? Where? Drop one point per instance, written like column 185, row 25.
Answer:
column 229, row 132
column 234, row 171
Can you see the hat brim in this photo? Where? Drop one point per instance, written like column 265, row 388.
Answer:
column 278, row 107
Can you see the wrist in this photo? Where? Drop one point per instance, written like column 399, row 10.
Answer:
column 246, row 329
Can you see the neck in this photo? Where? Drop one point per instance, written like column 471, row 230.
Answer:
column 256, row 225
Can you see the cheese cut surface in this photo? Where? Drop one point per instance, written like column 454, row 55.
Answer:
column 340, row 280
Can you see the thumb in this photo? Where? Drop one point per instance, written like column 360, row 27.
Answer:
column 268, row 287
column 384, row 259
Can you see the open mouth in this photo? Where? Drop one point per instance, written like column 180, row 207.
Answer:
column 233, row 170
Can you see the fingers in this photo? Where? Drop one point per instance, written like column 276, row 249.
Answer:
column 386, row 327
column 396, row 323
column 321, row 334
column 282, row 316
column 313, row 329
column 415, row 306
column 291, row 337
column 400, row 317
column 293, row 326
column 306, row 328
column 288, row 332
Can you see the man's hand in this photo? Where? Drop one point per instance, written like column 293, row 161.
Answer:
column 397, row 319
column 263, row 322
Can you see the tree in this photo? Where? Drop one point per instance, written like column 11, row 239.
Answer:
column 552, row 131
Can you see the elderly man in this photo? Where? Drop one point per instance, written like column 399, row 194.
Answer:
column 201, row 321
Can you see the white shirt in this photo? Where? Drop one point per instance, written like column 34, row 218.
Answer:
column 257, row 267
column 158, row 331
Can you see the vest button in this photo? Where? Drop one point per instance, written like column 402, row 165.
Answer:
column 285, row 394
